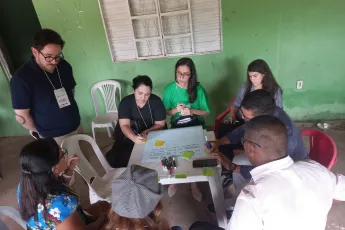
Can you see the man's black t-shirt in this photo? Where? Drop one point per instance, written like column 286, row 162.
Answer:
column 31, row 89
column 152, row 111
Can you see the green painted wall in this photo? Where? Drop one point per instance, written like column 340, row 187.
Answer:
column 301, row 40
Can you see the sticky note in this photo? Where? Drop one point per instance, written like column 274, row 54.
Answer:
column 208, row 171
column 159, row 178
column 181, row 175
column 187, row 154
column 159, row 143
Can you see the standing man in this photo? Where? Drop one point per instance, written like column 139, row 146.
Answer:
column 43, row 90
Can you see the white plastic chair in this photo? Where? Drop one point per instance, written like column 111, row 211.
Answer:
column 108, row 120
column 12, row 213
column 99, row 186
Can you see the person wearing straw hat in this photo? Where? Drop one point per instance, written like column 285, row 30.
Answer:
column 136, row 201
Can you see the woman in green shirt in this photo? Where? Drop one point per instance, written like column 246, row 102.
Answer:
column 185, row 97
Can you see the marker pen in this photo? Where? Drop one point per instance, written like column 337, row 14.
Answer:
column 136, row 133
column 174, row 163
column 208, row 145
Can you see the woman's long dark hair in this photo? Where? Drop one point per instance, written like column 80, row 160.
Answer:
column 193, row 81
column 37, row 179
column 269, row 83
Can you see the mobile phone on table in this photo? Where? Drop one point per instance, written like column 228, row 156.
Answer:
column 204, row 163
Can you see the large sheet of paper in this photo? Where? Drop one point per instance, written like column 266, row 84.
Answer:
column 174, row 142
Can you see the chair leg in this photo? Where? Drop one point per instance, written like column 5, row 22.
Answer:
column 93, row 133
column 109, row 132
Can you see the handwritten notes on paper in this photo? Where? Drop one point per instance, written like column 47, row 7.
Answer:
column 174, row 142
column 171, row 148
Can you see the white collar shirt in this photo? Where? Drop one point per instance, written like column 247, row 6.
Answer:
column 285, row 195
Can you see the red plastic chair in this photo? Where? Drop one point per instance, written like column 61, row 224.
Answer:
column 220, row 117
column 322, row 148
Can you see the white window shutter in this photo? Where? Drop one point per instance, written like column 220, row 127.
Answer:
column 146, row 29
column 207, row 26
column 119, row 31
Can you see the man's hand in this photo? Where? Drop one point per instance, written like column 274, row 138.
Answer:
column 214, row 146
column 226, row 162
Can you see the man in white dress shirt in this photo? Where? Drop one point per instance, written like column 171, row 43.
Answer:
column 282, row 195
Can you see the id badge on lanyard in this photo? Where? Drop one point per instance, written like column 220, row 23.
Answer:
column 62, row 97
column 60, row 94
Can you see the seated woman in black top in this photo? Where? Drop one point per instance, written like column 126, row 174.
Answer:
column 139, row 113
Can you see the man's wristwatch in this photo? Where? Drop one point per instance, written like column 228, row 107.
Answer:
column 233, row 167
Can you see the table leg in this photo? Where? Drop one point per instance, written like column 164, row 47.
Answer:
column 218, row 197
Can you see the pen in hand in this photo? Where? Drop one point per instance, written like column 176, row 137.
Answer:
column 136, row 133
column 208, row 145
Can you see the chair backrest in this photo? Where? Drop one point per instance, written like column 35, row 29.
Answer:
column 221, row 116
column 12, row 213
column 322, row 148
column 108, row 90
column 84, row 168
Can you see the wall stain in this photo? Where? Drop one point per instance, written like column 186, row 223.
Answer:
column 78, row 9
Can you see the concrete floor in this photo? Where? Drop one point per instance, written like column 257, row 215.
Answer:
column 181, row 209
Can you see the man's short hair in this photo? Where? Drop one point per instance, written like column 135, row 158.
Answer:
column 269, row 132
column 260, row 102
column 45, row 37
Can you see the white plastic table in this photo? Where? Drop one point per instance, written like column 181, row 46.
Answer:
column 194, row 175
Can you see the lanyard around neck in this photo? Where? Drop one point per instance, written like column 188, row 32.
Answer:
column 148, row 101
column 57, row 70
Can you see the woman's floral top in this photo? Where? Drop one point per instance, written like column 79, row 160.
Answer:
column 58, row 209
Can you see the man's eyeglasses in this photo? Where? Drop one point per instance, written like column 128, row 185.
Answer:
column 243, row 140
column 50, row 59
column 64, row 153
column 244, row 117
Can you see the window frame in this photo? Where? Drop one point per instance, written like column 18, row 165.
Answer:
column 159, row 17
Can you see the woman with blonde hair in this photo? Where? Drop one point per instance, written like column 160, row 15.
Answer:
column 136, row 201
